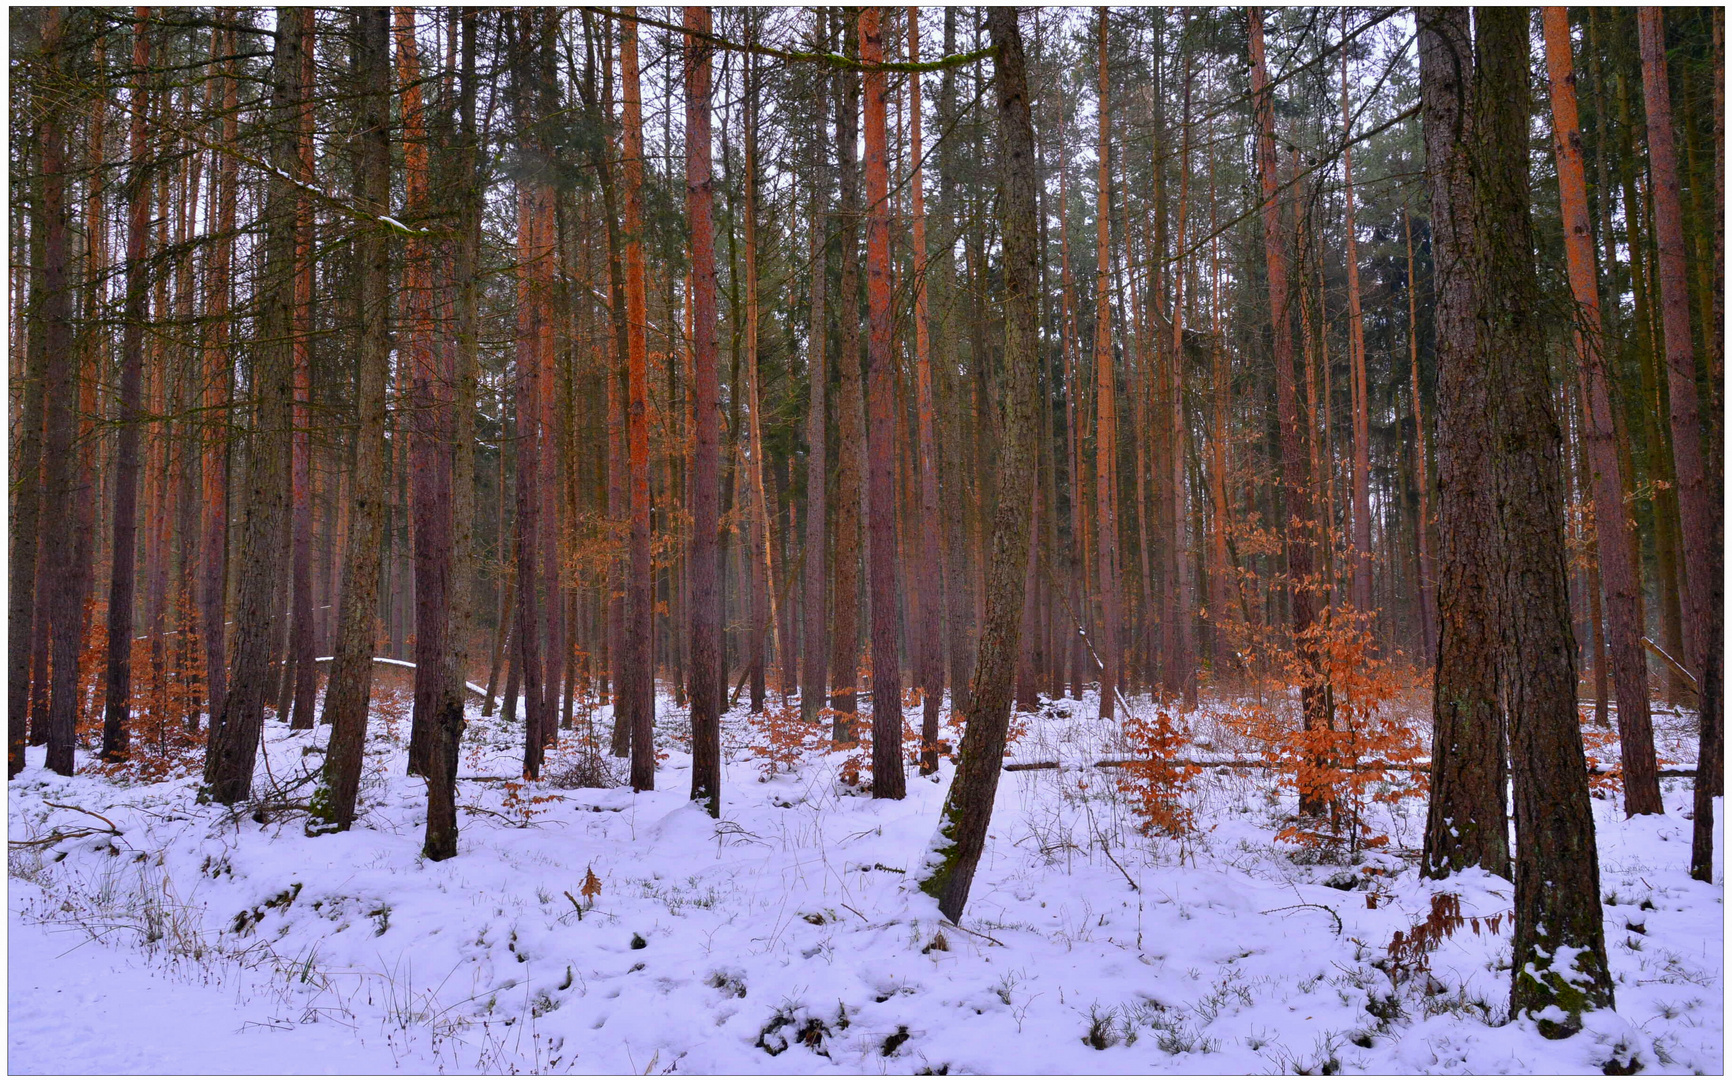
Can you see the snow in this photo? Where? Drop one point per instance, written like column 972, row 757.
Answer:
column 785, row 938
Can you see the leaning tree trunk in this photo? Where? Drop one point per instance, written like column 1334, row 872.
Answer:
column 967, row 812
column 1467, row 819
column 1560, row 951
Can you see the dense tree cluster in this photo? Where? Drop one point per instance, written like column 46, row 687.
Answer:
column 866, row 355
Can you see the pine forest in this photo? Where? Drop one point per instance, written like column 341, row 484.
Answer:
column 801, row 539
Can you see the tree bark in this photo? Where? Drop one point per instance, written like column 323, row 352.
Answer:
column 1557, row 886
column 1295, row 466
column 213, row 586
column 931, row 556
column 48, row 425
column 850, row 419
column 1466, row 821
column 967, row 813
column 1618, row 571
column 640, row 687
column 705, row 559
column 117, row 713
column 301, row 443
column 1701, row 525
column 1421, row 466
column 813, row 682
column 234, row 735
column 1106, row 417
column 350, row 683
column 1356, row 342
column 889, row 780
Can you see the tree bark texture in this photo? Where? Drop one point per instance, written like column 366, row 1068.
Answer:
column 1467, row 819
column 967, row 809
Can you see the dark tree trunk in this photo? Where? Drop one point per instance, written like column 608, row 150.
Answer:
column 968, row 807
column 234, row 735
column 1295, row 463
column 351, row 679
column 213, row 565
column 461, row 190
column 1557, row 897
column 705, row 561
column 301, row 446
column 123, row 570
column 45, row 441
column 817, row 645
column 1467, row 820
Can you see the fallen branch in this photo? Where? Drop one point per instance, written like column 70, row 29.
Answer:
column 976, row 933
column 1319, row 907
column 112, row 827
column 392, row 662
column 1672, row 663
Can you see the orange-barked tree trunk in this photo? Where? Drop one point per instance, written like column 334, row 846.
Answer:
column 888, row 778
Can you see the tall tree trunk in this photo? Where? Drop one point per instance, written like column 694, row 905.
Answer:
column 1466, row 822
column 47, row 437
column 1294, row 462
column 931, row 556
column 123, row 572
column 234, row 735
column 967, row 813
column 706, row 593
column 1356, row 344
column 1421, row 466
column 1701, row 525
column 640, row 697
column 1618, row 571
column 462, row 192
column 850, row 419
column 817, row 646
column 429, row 480
column 351, row 679
column 1106, row 417
column 765, row 618
column 1560, row 953
column 213, row 588
column 301, row 448
column 1182, row 657
column 888, row 778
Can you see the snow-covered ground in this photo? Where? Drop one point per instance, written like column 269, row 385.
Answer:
column 785, row 938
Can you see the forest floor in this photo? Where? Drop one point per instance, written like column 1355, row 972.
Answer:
column 166, row 936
